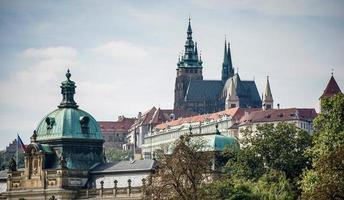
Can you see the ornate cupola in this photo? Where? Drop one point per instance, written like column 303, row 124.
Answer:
column 190, row 57
column 268, row 101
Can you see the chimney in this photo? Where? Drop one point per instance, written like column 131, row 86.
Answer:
column 278, row 106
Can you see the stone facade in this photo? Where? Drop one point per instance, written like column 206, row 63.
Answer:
column 115, row 132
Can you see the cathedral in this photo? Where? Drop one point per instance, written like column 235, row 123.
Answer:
column 194, row 94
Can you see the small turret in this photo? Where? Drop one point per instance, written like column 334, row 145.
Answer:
column 268, row 101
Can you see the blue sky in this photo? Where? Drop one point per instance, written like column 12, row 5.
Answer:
column 123, row 54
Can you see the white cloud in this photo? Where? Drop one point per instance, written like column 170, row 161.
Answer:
column 277, row 7
column 121, row 50
column 50, row 53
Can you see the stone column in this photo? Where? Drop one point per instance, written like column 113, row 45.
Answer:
column 129, row 187
column 115, row 187
column 101, row 188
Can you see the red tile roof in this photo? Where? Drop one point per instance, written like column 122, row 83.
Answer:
column 331, row 89
column 156, row 116
column 234, row 112
column 122, row 125
column 273, row 115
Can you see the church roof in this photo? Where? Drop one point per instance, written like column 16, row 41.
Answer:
column 204, row 90
column 248, row 95
column 331, row 89
column 124, row 166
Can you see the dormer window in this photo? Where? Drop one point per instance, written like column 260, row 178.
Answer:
column 50, row 122
column 84, row 120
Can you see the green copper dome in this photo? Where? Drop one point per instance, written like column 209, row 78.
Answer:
column 210, row 142
column 68, row 123
column 217, row 142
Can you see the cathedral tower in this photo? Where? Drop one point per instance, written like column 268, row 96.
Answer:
column 189, row 67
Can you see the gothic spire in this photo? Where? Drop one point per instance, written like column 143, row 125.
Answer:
column 230, row 61
column 267, row 98
column 232, row 99
column 225, row 54
column 189, row 31
column 68, row 91
column 267, row 93
column 225, row 64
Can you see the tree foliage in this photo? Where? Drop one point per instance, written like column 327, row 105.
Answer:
column 326, row 179
column 280, row 147
column 113, row 154
column 181, row 174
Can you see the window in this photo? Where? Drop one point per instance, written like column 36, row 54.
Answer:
column 50, row 122
column 84, row 120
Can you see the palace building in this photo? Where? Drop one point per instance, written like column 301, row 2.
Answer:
column 195, row 94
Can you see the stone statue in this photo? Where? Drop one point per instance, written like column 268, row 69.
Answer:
column 63, row 162
column 12, row 165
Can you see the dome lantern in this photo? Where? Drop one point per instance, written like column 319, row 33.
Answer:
column 68, row 91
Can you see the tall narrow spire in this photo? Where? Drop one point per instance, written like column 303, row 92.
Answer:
column 225, row 64
column 267, row 98
column 231, row 69
column 225, row 54
column 68, row 91
column 189, row 31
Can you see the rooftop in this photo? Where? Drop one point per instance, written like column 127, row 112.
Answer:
column 124, row 166
column 272, row 115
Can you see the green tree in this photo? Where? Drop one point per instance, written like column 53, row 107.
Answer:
column 181, row 174
column 280, row 147
column 113, row 154
column 326, row 179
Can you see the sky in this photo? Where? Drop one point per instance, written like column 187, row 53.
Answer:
column 123, row 54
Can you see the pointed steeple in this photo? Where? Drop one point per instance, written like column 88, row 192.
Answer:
column 189, row 30
column 227, row 67
column 332, row 88
column 230, row 64
column 267, row 98
column 225, row 64
column 225, row 54
column 232, row 99
column 68, row 91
